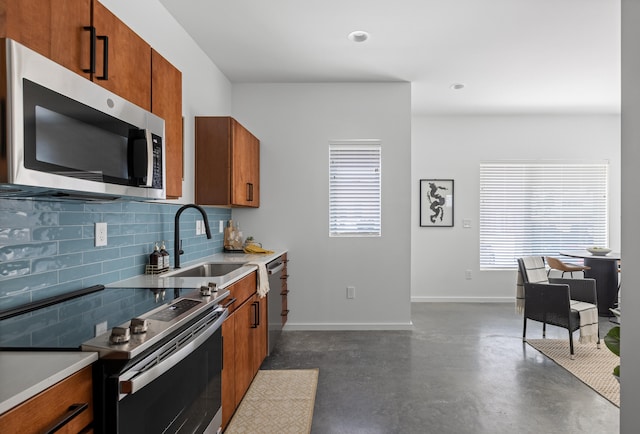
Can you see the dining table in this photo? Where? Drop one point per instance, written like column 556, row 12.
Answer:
column 604, row 269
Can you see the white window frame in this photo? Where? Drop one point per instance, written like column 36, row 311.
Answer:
column 541, row 208
column 355, row 201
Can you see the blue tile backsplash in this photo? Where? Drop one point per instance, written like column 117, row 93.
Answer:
column 69, row 323
column 47, row 247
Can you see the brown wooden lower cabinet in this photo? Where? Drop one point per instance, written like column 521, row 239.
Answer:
column 52, row 406
column 244, row 335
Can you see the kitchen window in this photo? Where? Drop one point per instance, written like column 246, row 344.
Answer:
column 540, row 209
column 355, row 187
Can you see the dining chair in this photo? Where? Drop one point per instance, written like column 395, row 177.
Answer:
column 567, row 303
column 557, row 264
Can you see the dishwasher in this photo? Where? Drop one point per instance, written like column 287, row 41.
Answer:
column 274, row 301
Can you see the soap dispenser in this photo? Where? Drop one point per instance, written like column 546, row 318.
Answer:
column 166, row 262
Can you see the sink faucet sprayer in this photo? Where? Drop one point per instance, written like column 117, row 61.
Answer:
column 176, row 231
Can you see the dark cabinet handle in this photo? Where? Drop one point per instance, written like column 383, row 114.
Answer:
column 255, row 315
column 73, row 411
column 92, row 49
column 229, row 303
column 105, row 58
column 249, row 192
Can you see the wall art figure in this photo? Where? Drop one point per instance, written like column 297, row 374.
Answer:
column 436, row 202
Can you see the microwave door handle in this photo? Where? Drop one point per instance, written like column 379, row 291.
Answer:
column 140, row 156
column 149, row 139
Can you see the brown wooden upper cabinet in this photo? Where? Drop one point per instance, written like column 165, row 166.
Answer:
column 227, row 163
column 123, row 59
column 85, row 37
column 166, row 102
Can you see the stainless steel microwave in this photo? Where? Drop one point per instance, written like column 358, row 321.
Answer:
column 67, row 137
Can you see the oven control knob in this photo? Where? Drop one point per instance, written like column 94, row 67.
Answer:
column 139, row 325
column 119, row 335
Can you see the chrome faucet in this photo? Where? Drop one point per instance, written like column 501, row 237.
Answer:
column 177, row 244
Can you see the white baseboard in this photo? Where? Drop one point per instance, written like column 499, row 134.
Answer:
column 463, row 299
column 289, row 326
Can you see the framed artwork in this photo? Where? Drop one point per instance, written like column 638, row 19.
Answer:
column 436, row 202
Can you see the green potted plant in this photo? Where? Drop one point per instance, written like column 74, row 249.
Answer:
column 612, row 341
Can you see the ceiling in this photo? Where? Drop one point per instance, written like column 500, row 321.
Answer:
column 513, row 56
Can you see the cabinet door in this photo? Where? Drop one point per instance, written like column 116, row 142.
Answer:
column 245, row 163
column 70, row 41
column 54, row 29
column 128, row 56
column 260, row 334
column 244, row 331
column 229, row 402
column 28, row 22
column 166, row 102
column 213, row 160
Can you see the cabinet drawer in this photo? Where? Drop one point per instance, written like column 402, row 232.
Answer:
column 240, row 291
column 42, row 412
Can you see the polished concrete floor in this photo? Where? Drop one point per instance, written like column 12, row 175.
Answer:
column 463, row 369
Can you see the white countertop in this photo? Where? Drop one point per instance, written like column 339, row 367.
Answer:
column 24, row 374
column 160, row 281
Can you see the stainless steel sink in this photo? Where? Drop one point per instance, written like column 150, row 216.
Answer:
column 205, row 270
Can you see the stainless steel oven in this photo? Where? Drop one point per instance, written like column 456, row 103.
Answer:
column 165, row 380
column 160, row 364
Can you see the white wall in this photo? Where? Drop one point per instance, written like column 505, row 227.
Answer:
column 452, row 147
column 630, row 345
column 295, row 123
column 204, row 88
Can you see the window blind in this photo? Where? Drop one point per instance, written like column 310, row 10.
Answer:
column 355, row 184
column 531, row 209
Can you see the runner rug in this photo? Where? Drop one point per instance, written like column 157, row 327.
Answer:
column 591, row 365
column 278, row 401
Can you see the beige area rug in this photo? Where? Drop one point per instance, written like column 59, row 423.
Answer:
column 278, row 401
column 591, row 365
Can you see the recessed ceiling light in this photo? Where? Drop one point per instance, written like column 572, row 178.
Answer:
column 358, row 36
column 457, row 86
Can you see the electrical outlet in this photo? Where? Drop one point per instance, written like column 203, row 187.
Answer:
column 101, row 234
column 101, row 328
column 351, row 292
column 221, row 227
column 467, row 274
column 198, row 227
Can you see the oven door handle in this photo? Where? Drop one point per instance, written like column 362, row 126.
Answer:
column 140, row 380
